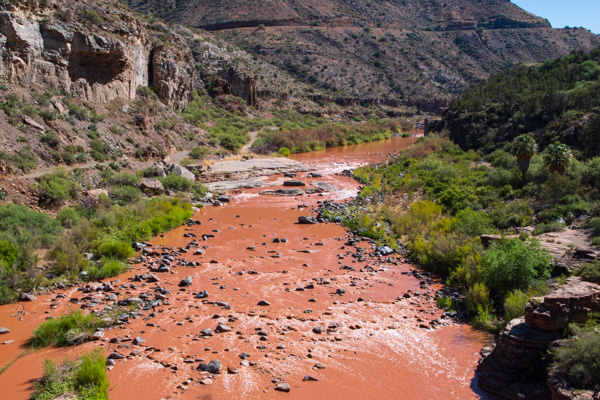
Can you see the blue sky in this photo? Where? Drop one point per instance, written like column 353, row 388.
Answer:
column 563, row 13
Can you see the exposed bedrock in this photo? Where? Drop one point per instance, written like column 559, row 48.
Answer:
column 517, row 367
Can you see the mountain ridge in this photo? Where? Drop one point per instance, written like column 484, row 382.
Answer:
column 394, row 52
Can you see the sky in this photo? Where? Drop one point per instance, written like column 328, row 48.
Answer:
column 561, row 13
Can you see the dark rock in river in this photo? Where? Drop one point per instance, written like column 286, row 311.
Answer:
column 294, row 183
column 186, row 282
column 307, row 220
column 214, row 367
column 283, row 192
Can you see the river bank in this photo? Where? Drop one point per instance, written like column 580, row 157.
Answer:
column 286, row 303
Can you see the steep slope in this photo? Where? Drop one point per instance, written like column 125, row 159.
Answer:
column 556, row 100
column 94, row 82
column 393, row 52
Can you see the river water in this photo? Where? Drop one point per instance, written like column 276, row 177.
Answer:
column 374, row 341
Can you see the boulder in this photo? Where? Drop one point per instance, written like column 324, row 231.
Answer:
column 178, row 170
column 27, row 297
column 214, row 367
column 294, row 183
column 4, row 331
column 186, row 282
column 283, row 192
column 283, row 387
column 572, row 302
column 307, row 220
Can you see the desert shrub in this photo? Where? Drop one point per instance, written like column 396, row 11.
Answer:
column 78, row 112
column 68, row 217
column 558, row 186
column 54, row 188
column 473, row 223
column 113, row 248
column 124, row 179
column 23, row 159
column 199, row 152
column 511, row 264
column 284, row 152
column 67, row 330
column 478, row 298
column 50, row 139
column 110, row 232
column 105, row 268
column 590, row 272
column 23, row 226
column 84, row 378
column 515, row 303
column 578, row 360
column 501, row 159
column 125, row 194
column 181, row 184
column 99, row 150
column 92, row 17
column 514, row 214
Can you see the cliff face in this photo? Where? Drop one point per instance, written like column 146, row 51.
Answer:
column 90, row 66
column 516, row 369
column 100, row 64
column 412, row 52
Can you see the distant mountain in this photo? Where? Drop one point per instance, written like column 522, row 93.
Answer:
column 418, row 52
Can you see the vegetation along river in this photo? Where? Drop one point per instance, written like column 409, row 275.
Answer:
column 293, row 305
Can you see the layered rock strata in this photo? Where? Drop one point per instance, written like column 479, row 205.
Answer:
column 516, row 369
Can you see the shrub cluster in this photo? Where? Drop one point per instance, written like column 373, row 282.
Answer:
column 84, row 378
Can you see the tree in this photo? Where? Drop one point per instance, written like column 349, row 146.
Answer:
column 558, row 157
column 524, row 147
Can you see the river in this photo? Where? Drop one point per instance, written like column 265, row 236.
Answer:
column 375, row 342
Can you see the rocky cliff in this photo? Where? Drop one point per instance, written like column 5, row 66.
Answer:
column 100, row 55
column 517, row 367
column 413, row 53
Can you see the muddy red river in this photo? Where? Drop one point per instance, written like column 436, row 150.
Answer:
column 284, row 303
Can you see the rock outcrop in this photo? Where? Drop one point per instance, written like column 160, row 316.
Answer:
column 516, row 369
column 570, row 303
column 89, row 66
column 173, row 76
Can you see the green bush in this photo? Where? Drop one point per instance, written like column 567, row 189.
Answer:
column 125, row 194
column 181, row 184
column 590, row 272
column 124, row 179
column 579, row 359
column 23, row 226
column 92, row 17
column 99, row 150
column 54, row 188
column 473, row 223
column 84, row 379
column 68, row 217
column 515, row 304
column 113, row 248
column 511, row 264
column 50, row 139
column 23, row 159
column 199, row 152
column 67, row 330
column 105, row 268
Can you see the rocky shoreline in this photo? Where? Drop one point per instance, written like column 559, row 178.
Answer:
column 517, row 366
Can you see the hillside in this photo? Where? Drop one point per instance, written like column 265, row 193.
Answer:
column 96, row 83
column 556, row 100
column 419, row 53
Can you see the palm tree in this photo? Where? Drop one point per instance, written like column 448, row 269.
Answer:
column 558, row 156
column 524, row 147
